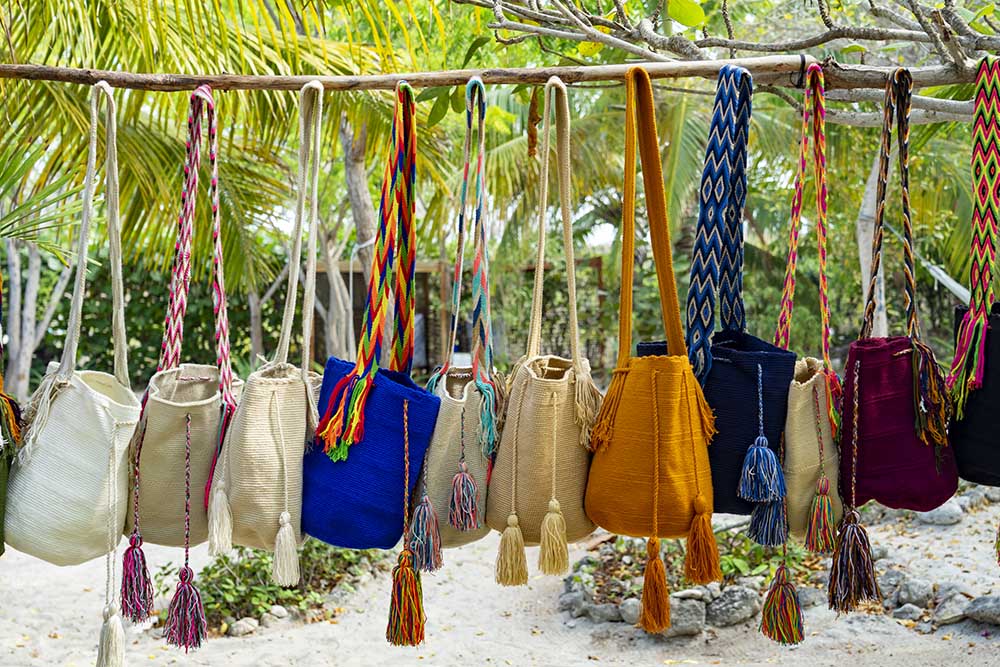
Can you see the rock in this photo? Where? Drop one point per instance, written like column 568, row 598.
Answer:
column 952, row 587
column 629, row 610
column 713, row 589
column 908, row 612
column 244, row 626
column 924, row 628
column 570, row 623
column 735, row 605
column 575, row 603
column 889, row 580
column 268, row 619
column 820, row 577
column 915, row 591
column 753, row 583
column 691, row 594
column 985, row 609
column 993, row 494
column 687, row 617
column 975, row 496
column 278, row 611
column 948, row 514
column 811, row 597
column 879, row 551
column 950, row 610
column 604, row 613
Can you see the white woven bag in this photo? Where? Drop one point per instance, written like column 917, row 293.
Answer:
column 69, row 482
column 256, row 496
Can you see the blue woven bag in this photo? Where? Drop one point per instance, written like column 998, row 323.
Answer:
column 376, row 422
column 745, row 378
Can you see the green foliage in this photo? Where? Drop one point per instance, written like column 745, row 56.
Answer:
column 240, row 584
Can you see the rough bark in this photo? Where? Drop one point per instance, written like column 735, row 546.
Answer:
column 26, row 348
column 864, row 230
column 256, row 326
column 354, row 142
column 14, row 288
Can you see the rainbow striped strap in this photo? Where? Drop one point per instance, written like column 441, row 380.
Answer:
column 969, row 364
column 343, row 420
column 717, row 263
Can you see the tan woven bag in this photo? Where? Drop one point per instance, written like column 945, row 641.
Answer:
column 451, row 495
column 540, row 476
column 256, row 496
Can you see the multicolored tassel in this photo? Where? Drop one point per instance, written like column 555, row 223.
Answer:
column 186, row 626
column 932, row 401
column 137, row 587
column 655, row 611
column 820, row 535
column 463, row 508
column 425, row 536
column 781, row 617
column 769, row 523
column 852, row 574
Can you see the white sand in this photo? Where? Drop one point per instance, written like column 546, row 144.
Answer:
column 51, row 616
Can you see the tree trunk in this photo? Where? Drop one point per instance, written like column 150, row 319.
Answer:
column 354, row 143
column 14, row 288
column 865, row 230
column 256, row 327
column 26, row 348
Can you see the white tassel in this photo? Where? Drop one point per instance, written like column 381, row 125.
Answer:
column 111, row 648
column 286, row 554
column 220, row 522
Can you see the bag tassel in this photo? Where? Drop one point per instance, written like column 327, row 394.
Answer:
column 852, row 573
column 344, row 423
column 285, row 570
column 820, row 535
column 969, row 365
column 933, row 404
column 761, row 480
column 186, row 626
column 604, row 425
column 488, row 409
column 701, row 564
column 781, row 617
column 463, row 509
column 769, row 524
column 137, row 588
column 425, row 536
column 406, row 611
column 834, row 396
column 512, row 564
column 553, row 557
column 996, row 545
column 220, row 522
column 111, row 647
column 10, row 418
column 655, row 611
column 587, row 402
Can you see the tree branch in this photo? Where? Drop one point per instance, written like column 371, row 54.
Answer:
column 53, row 303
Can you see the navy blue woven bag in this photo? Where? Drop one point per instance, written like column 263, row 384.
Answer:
column 745, row 378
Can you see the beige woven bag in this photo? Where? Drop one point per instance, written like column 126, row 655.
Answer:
column 69, row 482
column 540, row 476
column 256, row 496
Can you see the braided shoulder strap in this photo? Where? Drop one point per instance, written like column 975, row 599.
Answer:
column 342, row 424
column 969, row 364
column 717, row 264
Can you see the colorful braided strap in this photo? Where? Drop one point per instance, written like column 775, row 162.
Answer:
column 931, row 401
column 717, row 264
column 813, row 108
column 343, row 423
column 969, row 364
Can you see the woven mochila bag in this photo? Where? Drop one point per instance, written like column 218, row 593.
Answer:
column 536, row 491
column 70, row 479
column 975, row 372
column 352, row 482
column 10, row 429
column 451, row 494
column 257, row 486
column 811, row 461
column 650, row 476
column 894, row 437
column 745, row 379
column 185, row 413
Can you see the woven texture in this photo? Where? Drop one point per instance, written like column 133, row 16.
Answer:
column 68, row 488
column 358, row 503
column 552, row 400
column 651, row 467
column 974, row 437
column 810, row 450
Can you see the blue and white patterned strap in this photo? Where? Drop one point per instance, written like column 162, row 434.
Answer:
column 717, row 263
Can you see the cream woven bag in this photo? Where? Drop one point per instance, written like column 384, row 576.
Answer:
column 256, row 496
column 453, row 480
column 540, row 476
column 70, row 478
column 186, row 410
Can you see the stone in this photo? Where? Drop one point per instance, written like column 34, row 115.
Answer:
column 924, row 628
column 278, row 611
column 947, row 515
column 915, row 591
column 948, row 589
column 820, row 577
column 735, row 605
column 575, row 603
column 993, row 494
column 244, row 626
column 687, row 618
column 985, row 609
column 890, row 580
column 604, row 613
column 908, row 612
column 629, row 610
column 268, row 619
column 879, row 551
column 976, row 497
column 950, row 609
column 811, row 597
column 571, row 623
column 691, row 594
column 714, row 590
column 753, row 583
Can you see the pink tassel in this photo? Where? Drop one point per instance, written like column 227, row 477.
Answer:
column 186, row 625
column 463, row 510
column 137, row 588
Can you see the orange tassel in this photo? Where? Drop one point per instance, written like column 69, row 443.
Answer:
column 655, row 614
column 701, row 565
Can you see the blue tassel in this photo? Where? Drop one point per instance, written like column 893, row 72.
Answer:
column 769, row 524
column 761, row 480
column 425, row 536
column 487, row 420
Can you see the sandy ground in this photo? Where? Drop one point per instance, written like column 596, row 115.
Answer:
column 51, row 616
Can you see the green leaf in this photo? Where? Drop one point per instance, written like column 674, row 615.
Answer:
column 439, row 109
column 854, row 48
column 429, row 93
column 477, row 44
column 742, row 565
column 989, row 9
column 458, row 99
column 686, row 12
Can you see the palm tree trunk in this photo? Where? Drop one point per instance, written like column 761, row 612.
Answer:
column 865, row 230
column 354, row 142
column 14, row 288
